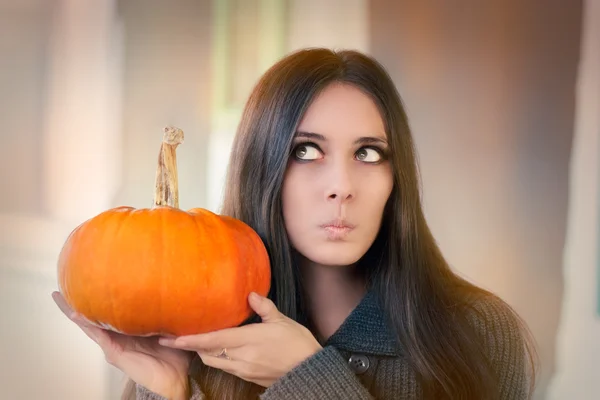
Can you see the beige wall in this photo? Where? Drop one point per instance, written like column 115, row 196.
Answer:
column 22, row 68
column 490, row 92
column 54, row 83
column 577, row 373
column 167, row 80
column 492, row 112
column 332, row 23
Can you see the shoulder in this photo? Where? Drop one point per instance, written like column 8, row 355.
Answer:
column 488, row 313
column 505, row 340
column 500, row 327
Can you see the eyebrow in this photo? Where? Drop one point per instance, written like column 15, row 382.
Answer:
column 360, row 140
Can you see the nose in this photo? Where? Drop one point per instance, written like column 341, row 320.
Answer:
column 340, row 187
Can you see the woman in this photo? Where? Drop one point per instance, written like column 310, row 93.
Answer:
column 363, row 304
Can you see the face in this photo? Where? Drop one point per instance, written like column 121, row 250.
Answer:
column 338, row 178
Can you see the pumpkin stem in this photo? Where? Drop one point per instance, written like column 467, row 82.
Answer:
column 166, row 189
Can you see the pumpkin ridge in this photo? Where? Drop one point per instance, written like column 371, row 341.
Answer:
column 115, row 240
column 88, row 304
column 231, row 255
column 240, row 284
column 201, row 232
column 164, row 255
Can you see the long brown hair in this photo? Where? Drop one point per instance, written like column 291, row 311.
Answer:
column 422, row 298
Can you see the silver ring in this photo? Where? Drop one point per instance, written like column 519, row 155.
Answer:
column 223, row 354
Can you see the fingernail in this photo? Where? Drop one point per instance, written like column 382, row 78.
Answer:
column 254, row 296
column 164, row 341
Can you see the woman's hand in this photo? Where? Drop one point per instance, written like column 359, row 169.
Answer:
column 160, row 369
column 259, row 353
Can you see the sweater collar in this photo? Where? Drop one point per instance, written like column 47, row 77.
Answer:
column 366, row 330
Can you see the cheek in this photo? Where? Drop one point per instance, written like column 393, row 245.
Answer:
column 376, row 188
column 295, row 201
column 375, row 193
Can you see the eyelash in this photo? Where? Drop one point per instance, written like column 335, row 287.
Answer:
column 382, row 152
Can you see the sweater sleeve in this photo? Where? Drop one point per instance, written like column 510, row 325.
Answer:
column 505, row 346
column 323, row 376
column 142, row 393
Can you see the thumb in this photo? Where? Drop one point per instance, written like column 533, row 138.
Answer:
column 264, row 307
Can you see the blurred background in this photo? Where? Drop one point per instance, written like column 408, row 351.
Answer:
column 503, row 98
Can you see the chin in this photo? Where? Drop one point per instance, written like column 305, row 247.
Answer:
column 334, row 256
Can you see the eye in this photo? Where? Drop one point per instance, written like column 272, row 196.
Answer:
column 307, row 152
column 369, row 155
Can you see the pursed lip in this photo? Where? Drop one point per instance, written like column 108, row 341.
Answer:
column 337, row 229
column 338, row 224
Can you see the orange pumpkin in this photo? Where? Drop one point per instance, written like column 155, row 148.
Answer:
column 162, row 270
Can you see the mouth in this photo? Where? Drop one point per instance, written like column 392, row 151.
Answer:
column 337, row 229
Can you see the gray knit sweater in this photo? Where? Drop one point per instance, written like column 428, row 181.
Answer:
column 361, row 361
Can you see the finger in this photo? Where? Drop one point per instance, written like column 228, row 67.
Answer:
column 229, row 338
column 146, row 345
column 113, row 346
column 62, row 304
column 97, row 334
column 241, row 369
column 69, row 312
column 264, row 307
column 93, row 332
column 231, row 366
column 73, row 316
column 212, row 352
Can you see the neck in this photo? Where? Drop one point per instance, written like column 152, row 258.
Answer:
column 332, row 294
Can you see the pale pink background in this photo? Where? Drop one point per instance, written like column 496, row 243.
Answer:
column 503, row 97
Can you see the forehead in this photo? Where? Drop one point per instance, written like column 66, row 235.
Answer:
column 342, row 109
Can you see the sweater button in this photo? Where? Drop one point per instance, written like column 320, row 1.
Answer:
column 359, row 363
